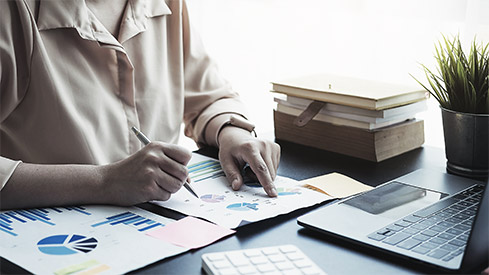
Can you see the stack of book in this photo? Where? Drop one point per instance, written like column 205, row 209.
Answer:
column 360, row 118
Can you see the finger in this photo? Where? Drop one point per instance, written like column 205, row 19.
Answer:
column 259, row 166
column 169, row 183
column 276, row 158
column 160, row 193
column 178, row 153
column 173, row 168
column 232, row 172
column 268, row 158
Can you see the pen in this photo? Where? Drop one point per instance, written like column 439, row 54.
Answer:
column 145, row 140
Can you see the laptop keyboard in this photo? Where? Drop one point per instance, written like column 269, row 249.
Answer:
column 439, row 231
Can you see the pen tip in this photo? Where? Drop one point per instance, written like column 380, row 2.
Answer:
column 134, row 129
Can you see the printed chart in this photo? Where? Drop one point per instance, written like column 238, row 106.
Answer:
column 218, row 203
column 205, row 169
column 91, row 239
column 66, row 244
column 8, row 219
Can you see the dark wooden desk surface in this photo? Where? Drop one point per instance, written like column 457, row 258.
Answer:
column 333, row 256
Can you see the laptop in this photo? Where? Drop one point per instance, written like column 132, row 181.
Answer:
column 428, row 216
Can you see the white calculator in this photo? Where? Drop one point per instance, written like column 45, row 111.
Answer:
column 284, row 259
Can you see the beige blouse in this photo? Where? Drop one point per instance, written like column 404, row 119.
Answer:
column 70, row 92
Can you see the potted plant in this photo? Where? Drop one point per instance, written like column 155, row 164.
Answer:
column 461, row 87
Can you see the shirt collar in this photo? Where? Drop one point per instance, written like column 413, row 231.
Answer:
column 55, row 14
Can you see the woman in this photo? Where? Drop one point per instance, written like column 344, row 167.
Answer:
column 75, row 77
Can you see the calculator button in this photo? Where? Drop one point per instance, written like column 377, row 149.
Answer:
column 288, row 249
column 258, row 260
column 266, row 268
column 221, row 264
column 270, row 251
column 295, row 256
column 238, row 259
column 253, row 253
column 247, row 270
column 284, row 265
column 311, row 271
column 216, row 257
column 228, row 271
column 277, row 258
column 302, row 263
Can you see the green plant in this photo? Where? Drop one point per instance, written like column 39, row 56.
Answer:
column 461, row 84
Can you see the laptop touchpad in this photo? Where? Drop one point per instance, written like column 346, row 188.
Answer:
column 394, row 200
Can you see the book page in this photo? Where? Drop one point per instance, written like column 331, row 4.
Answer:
column 220, row 204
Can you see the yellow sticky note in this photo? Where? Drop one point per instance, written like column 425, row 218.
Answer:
column 76, row 268
column 336, row 185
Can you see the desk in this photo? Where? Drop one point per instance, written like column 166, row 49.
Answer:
column 333, row 256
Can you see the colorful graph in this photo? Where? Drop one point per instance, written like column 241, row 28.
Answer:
column 282, row 191
column 66, row 244
column 243, row 206
column 10, row 219
column 212, row 198
column 129, row 218
column 207, row 169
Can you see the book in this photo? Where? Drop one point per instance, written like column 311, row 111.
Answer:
column 343, row 121
column 407, row 113
column 349, row 91
column 376, row 146
column 333, row 108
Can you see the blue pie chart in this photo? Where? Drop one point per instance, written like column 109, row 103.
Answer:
column 66, row 244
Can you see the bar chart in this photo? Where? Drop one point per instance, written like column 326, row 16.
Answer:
column 206, row 169
column 128, row 218
column 10, row 219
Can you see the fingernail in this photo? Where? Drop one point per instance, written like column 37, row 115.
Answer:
column 234, row 184
column 273, row 192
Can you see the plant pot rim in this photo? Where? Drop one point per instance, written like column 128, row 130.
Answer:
column 458, row 112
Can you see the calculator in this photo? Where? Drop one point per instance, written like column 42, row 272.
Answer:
column 284, row 259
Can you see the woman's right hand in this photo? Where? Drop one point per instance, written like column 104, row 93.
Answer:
column 153, row 173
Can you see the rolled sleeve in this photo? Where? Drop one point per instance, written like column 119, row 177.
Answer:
column 207, row 94
column 7, row 168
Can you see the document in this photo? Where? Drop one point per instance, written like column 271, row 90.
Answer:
column 219, row 204
column 88, row 240
column 336, row 185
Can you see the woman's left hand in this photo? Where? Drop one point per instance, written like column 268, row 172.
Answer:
column 237, row 147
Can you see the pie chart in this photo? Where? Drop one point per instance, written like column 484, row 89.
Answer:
column 66, row 244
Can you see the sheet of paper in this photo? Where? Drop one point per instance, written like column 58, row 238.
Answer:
column 191, row 233
column 218, row 202
column 83, row 240
column 336, row 185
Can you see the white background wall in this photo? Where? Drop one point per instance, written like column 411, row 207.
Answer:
column 257, row 41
